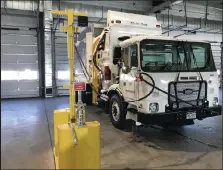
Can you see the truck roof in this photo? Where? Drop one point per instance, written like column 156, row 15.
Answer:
column 135, row 39
column 131, row 19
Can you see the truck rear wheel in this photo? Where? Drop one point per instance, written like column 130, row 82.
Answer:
column 117, row 112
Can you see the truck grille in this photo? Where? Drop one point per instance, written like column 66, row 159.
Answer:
column 192, row 92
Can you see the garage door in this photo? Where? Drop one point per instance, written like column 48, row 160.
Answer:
column 19, row 57
column 61, row 64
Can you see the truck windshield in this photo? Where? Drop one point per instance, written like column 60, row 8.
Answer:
column 165, row 55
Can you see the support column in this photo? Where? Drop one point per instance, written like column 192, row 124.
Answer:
column 48, row 48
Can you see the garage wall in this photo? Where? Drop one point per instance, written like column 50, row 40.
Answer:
column 19, row 57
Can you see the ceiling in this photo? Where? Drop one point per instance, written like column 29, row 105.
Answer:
column 211, row 3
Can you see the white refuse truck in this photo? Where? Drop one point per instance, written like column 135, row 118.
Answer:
column 149, row 78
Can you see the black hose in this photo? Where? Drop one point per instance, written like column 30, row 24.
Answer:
column 93, row 88
column 153, row 87
column 81, row 61
column 85, row 69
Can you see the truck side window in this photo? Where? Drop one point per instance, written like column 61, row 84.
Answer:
column 126, row 56
column 134, row 56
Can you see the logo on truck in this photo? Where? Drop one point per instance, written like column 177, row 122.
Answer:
column 138, row 23
column 188, row 91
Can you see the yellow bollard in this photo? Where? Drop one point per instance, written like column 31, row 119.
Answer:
column 61, row 116
column 86, row 153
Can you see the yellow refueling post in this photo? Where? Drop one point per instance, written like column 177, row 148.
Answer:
column 76, row 142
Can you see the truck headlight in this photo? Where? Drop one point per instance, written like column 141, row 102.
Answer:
column 174, row 106
column 215, row 101
column 153, row 107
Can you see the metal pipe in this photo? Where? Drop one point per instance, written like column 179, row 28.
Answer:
column 53, row 53
column 174, row 29
column 39, row 48
column 221, row 81
column 5, row 6
column 168, row 21
column 206, row 13
column 102, row 14
column 189, row 31
column 182, row 26
column 58, row 19
column 185, row 10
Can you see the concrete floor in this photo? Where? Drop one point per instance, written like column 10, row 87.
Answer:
column 27, row 138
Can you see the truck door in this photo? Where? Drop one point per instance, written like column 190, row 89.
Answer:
column 128, row 72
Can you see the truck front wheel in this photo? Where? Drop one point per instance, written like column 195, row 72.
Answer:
column 117, row 112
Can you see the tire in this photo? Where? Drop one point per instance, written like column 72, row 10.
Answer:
column 115, row 105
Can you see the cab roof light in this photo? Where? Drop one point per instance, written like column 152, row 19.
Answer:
column 118, row 21
column 157, row 25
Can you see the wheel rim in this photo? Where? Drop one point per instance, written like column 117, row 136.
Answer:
column 115, row 111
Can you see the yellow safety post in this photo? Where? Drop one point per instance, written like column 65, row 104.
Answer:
column 70, row 50
column 85, row 153
column 77, row 144
column 61, row 116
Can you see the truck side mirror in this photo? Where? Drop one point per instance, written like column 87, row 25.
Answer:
column 117, row 55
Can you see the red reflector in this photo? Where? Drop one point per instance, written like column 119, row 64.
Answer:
column 107, row 73
column 138, row 78
column 157, row 26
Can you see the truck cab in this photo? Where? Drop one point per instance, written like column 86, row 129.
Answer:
column 183, row 80
column 153, row 79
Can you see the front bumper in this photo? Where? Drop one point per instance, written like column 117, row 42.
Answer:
column 177, row 116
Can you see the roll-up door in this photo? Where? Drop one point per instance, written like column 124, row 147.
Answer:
column 19, row 57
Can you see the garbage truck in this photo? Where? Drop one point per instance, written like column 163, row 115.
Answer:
column 148, row 78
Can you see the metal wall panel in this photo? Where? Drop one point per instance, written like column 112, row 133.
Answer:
column 30, row 5
column 19, row 57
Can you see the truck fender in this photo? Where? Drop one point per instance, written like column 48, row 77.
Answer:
column 114, row 89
